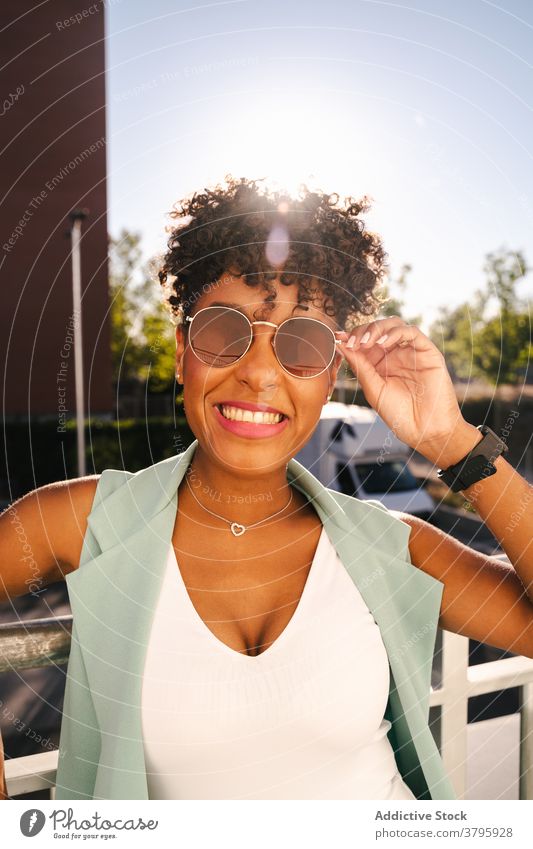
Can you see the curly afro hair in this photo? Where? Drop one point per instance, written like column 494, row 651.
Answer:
column 228, row 231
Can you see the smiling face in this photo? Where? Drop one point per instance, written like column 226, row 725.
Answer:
column 256, row 379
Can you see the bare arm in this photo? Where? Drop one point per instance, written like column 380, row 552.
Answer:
column 483, row 598
column 504, row 501
column 41, row 535
column 3, row 786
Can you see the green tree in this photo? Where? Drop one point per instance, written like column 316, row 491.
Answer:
column 453, row 331
column 142, row 336
column 394, row 305
column 504, row 269
column 503, row 344
column 160, row 352
column 489, row 337
column 124, row 260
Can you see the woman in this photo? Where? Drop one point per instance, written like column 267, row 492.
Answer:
column 240, row 630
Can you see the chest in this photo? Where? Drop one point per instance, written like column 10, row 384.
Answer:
column 246, row 598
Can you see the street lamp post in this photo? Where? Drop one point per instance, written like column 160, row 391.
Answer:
column 76, row 217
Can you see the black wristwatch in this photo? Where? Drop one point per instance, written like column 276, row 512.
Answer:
column 477, row 464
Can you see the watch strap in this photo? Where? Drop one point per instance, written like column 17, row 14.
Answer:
column 477, row 464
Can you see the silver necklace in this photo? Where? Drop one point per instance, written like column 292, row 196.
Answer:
column 236, row 528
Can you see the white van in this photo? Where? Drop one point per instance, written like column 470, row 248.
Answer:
column 353, row 451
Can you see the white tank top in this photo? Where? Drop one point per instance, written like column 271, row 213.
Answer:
column 302, row 720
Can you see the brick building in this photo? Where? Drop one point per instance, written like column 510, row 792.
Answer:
column 53, row 161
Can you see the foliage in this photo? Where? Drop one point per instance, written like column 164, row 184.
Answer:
column 36, row 455
column 503, row 346
column 394, row 305
column 488, row 336
column 480, row 342
column 142, row 337
column 453, row 333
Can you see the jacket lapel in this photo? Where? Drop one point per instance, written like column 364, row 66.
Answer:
column 114, row 593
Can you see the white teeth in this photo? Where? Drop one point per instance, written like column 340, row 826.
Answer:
column 237, row 414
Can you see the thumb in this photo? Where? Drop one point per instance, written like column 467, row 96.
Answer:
column 370, row 381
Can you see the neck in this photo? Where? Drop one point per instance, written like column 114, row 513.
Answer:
column 238, row 497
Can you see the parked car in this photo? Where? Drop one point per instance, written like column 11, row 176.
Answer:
column 353, row 451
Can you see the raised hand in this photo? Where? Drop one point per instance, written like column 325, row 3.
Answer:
column 405, row 379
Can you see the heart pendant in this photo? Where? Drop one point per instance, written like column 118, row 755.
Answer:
column 237, row 529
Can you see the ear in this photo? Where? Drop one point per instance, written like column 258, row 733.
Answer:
column 180, row 349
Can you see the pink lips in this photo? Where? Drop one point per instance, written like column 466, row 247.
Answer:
column 249, row 429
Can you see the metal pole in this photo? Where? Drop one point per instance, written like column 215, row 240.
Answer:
column 76, row 218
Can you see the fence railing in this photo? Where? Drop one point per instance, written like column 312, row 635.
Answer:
column 460, row 682
column 33, row 643
column 43, row 642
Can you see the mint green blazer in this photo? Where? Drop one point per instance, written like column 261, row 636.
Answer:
column 114, row 592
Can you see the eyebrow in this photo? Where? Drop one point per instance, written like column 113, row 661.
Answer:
column 240, row 307
column 227, row 304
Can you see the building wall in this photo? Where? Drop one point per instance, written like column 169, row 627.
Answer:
column 54, row 134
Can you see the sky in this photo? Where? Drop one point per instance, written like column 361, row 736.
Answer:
column 424, row 107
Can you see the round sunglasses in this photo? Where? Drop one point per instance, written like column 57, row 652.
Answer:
column 220, row 336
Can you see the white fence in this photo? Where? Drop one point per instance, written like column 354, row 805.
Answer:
column 458, row 683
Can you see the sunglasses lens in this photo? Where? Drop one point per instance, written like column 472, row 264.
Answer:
column 305, row 347
column 219, row 336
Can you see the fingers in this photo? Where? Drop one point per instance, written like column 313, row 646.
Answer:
column 407, row 336
column 388, row 333
column 398, row 336
column 368, row 334
column 370, row 381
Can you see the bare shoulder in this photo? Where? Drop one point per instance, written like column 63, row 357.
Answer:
column 442, row 555
column 42, row 533
column 66, row 505
column 483, row 597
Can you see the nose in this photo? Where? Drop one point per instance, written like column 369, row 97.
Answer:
column 259, row 368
